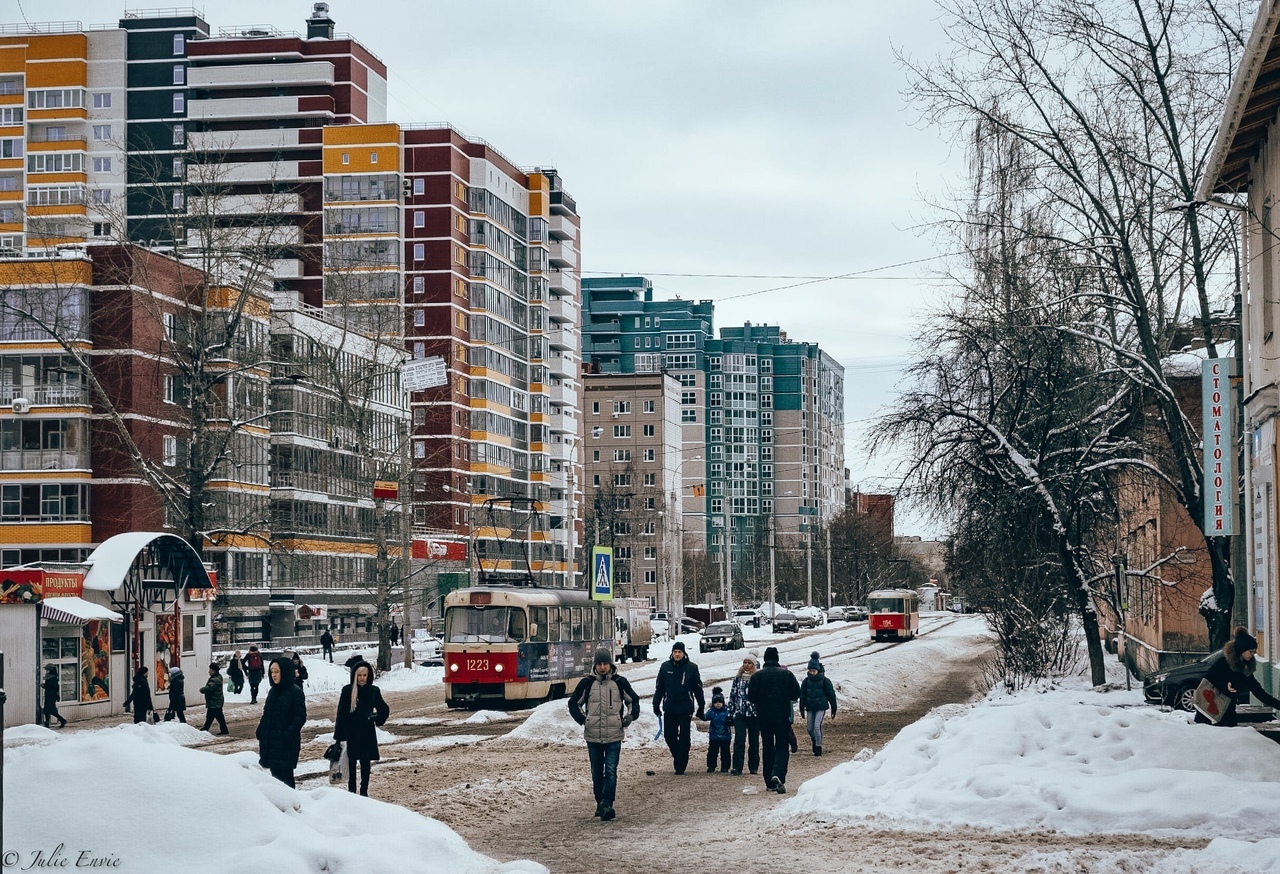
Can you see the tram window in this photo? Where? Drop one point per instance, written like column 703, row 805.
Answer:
column 539, row 615
column 577, row 623
column 589, row 624
column 516, row 625
column 553, row 624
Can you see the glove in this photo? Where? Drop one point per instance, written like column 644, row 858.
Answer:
column 702, row 716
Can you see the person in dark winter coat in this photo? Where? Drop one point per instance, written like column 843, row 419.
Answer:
column 357, row 721
column 280, row 729
column 140, row 696
column 772, row 690
column 52, row 694
column 299, row 671
column 393, row 633
column 253, row 669
column 679, row 688
column 213, row 699
column 235, row 670
column 604, row 704
column 719, row 732
column 816, row 695
column 356, row 658
column 745, row 723
column 326, row 645
column 1233, row 673
column 177, row 696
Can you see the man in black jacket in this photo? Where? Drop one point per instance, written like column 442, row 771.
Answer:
column 772, row 690
column 679, row 686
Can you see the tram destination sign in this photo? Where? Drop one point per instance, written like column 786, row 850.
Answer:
column 423, row 373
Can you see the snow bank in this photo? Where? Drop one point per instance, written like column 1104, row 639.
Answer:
column 1076, row 761
column 199, row 812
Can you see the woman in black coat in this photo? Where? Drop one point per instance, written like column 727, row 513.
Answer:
column 52, row 693
column 1233, row 673
column 280, row 730
column 235, row 670
column 357, row 721
column 140, row 696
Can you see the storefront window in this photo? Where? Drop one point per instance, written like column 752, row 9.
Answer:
column 63, row 653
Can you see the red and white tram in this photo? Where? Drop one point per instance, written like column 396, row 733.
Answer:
column 508, row 644
column 893, row 613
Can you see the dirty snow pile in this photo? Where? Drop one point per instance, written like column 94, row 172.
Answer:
column 1074, row 760
column 195, row 811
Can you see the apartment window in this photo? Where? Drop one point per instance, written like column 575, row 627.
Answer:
column 419, row 186
column 595, row 455
column 647, row 322
column 178, row 200
column 766, row 401
column 101, row 165
column 622, row 406
column 101, row 196
column 717, row 506
column 419, row 449
column 688, row 398
column 419, row 219
column 459, row 255
column 177, row 168
column 650, row 479
column 346, row 157
column 179, row 44
column 650, row 528
column 102, row 100
column 647, row 341
column 650, row 430
column 766, row 418
column 102, row 132
column 460, row 288
column 649, row 406
column 689, row 415
column 622, row 455
column 102, row 229
column 419, row 284
column 373, row 157
column 766, row 365
column 170, row 451
column 595, row 480
column 419, row 318
column 11, row 148
column 179, row 135
column 713, row 362
column 650, row 455
column 179, row 74
column 419, row 251
column 595, row 408
column 11, row 115
column 175, row 389
column 682, row 341
column 622, row 502
column 622, row 430
column 179, row 102
column 419, row 350
column 622, row 480
column 460, row 320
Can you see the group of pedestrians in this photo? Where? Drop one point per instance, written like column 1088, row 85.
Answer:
column 749, row 729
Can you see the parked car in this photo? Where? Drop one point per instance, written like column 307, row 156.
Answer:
column 785, row 622
column 659, row 614
column 809, row 617
column 747, row 617
column 838, row 614
column 856, row 613
column 721, row 635
column 689, row 625
column 428, row 651
column 661, row 628
column 1176, row 687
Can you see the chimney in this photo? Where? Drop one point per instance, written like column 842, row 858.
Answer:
column 320, row 25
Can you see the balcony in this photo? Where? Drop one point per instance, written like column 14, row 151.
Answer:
column 243, row 140
column 258, row 107
column 561, row 451
column 562, row 229
column 563, row 281
column 563, row 254
column 562, row 204
column 604, row 347
column 611, row 326
column 46, row 395
column 44, row 459
column 562, row 309
column 269, row 75
column 559, row 423
column 562, row 394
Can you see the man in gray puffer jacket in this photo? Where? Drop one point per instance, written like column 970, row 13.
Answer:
column 599, row 703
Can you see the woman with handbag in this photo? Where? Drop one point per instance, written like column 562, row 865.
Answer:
column 360, row 710
column 1232, row 674
column 280, row 729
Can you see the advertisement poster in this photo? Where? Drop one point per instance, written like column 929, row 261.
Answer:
column 95, row 661
column 166, row 648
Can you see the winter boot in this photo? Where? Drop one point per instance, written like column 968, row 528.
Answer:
column 817, row 751
column 600, row 808
column 607, row 813
column 735, row 773
column 774, row 783
column 782, row 789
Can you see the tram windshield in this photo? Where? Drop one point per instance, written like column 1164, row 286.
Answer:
column 485, row 625
column 886, row 605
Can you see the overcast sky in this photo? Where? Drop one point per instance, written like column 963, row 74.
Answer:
column 758, row 139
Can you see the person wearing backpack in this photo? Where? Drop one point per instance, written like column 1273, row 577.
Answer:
column 253, row 669
column 600, row 705
column 817, row 695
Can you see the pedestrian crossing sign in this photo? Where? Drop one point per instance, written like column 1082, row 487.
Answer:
column 602, row 573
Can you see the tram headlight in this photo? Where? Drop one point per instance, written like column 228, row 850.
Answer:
column 497, row 669
column 453, row 667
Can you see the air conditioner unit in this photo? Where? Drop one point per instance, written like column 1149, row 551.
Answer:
column 21, row 405
column 615, row 415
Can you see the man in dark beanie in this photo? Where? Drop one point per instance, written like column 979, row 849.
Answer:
column 679, row 689
column 772, row 690
column 1233, row 673
column 604, row 704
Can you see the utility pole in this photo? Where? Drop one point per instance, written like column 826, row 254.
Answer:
column 406, row 537
column 728, row 573
column 773, row 590
column 828, row 567
column 808, row 559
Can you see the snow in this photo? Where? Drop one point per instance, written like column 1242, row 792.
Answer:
column 203, row 812
column 1060, row 756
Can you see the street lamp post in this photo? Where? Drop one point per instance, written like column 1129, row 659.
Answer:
column 677, row 508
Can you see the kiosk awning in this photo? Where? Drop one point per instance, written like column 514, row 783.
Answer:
column 76, row 611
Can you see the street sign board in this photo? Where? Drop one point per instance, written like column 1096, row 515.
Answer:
column 1218, row 415
column 423, row 373
column 602, row 573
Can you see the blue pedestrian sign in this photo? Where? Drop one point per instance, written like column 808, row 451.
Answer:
column 602, row 573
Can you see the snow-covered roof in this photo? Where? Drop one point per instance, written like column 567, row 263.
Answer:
column 75, row 611
column 110, row 562
column 1188, row 362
